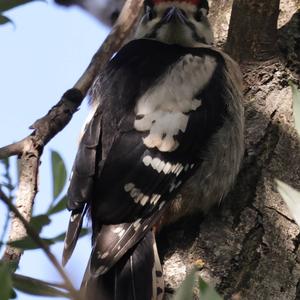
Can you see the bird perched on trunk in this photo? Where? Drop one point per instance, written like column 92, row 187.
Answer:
column 165, row 140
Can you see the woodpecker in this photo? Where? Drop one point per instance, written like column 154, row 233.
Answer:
column 165, row 140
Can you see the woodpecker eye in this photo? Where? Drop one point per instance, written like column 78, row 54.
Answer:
column 150, row 13
column 198, row 16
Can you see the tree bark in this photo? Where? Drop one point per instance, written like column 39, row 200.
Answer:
column 250, row 244
column 253, row 30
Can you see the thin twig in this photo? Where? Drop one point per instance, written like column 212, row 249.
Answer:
column 113, row 43
column 51, row 284
column 34, row 236
column 30, row 149
column 29, row 167
column 12, row 149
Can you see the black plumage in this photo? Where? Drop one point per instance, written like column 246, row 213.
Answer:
column 111, row 154
column 132, row 273
column 133, row 70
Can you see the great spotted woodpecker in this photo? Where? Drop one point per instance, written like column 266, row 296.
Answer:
column 165, row 140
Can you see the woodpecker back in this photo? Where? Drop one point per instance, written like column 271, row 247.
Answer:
column 166, row 140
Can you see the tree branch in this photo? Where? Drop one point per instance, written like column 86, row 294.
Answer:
column 34, row 236
column 13, row 149
column 30, row 149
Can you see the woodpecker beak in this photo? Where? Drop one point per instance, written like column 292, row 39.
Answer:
column 174, row 14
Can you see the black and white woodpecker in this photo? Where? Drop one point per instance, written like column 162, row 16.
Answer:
column 165, row 140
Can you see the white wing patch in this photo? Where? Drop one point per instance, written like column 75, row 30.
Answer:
column 160, row 166
column 163, row 127
column 163, row 109
column 139, row 198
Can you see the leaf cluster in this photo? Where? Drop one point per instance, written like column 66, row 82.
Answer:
column 10, row 281
column 6, row 5
column 186, row 290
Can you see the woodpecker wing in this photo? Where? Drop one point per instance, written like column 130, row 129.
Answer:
column 82, row 181
column 137, row 275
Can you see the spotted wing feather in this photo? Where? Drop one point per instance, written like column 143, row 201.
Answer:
column 73, row 232
column 133, row 277
column 128, row 183
column 137, row 181
column 82, row 181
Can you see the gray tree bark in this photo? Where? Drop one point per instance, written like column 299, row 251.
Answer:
column 250, row 244
column 252, row 33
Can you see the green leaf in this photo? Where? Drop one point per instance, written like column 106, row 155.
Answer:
column 5, row 162
column 291, row 198
column 28, row 244
column 5, row 20
column 12, row 265
column 207, row 292
column 83, row 232
column 9, row 4
column 13, row 294
column 185, row 291
column 59, row 173
column 36, row 287
column 61, row 237
column 39, row 221
column 296, row 106
column 203, row 286
column 59, row 206
column 6, row 282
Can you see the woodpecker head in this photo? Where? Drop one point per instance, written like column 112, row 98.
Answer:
column 182, row 22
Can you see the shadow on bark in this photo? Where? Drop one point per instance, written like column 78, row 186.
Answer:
column 250, row 244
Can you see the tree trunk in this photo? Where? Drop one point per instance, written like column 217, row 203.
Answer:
column 253, row 30
column 250, row 244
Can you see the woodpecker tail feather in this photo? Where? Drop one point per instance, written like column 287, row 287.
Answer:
column 73, row 232
column 136, row 276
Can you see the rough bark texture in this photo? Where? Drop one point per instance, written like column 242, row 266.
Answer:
column 252, row 34
column 250, row 244
column 219, row 17
column 24, row 203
